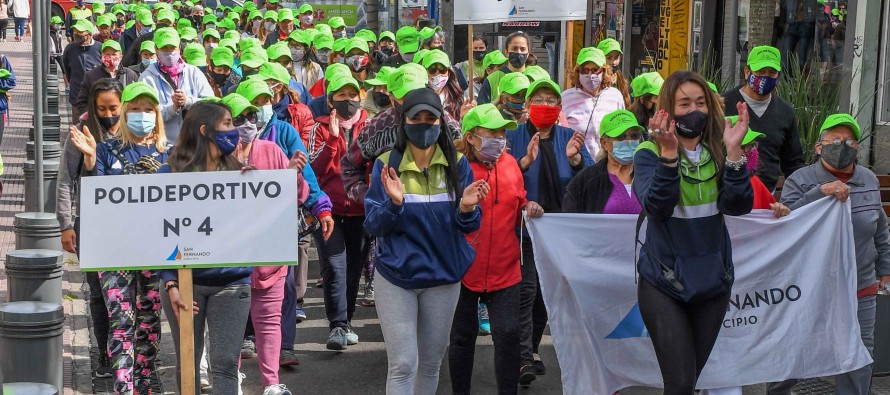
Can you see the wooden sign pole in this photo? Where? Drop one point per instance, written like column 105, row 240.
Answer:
column 470, row 62
column 187, row 334
column 570, row 49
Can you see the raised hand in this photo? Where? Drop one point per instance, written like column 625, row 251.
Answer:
column 392, row 185
column 298, row 162
column 473, row 194
column 531, row 152
column 573, row 148
column 733, row 135
column 335, row 124
column 84, row 141
column 665, row 133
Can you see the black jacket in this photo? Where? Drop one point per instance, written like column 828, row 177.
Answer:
column 124, row 75
column 77, row 60
column 589, row 190
column 272, row 38
column 128, row 37
column 132, row 56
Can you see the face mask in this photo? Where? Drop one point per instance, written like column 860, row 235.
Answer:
column 297, row 54
column 210, row 47
column 386, row 49
column 79, row 40
column 226, row 141
column 168, row 58
column 346, row 109
column 306, row 19
column 149, row 61
column 357, row 62
column 247, row 132
column 111, row 62
column 762, row 84
column 264, row 115
column 422, row 135
column 517, row 59
column 146, row 29
column 141, row 123
column 218, row 79
column 692, row 124
column 753, row 157
column 514, row 106
column 322, row 55
column 209, row 26
column 491, row 149
column 381, row 99
column 543, row 116
column 478, row 55
column 218, row 14
column 438, row 81
column 591, row 82
column 408, row 57
column 341, row 34
column 56, row 26
column 839, row 156
column 270, row 26
column 108, row 122
column 256, row 24
column 623, row 151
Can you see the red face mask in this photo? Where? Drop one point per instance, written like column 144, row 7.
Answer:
column 111, row 62
column 543, row 116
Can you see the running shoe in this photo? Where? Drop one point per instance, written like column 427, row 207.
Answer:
column 276, row 389
column 540, row 370
column 351, row 337
column 288, row 358
column 368, row 300
column 526, row 375
column 104, row 370
column 337, row 339
column 248, row 349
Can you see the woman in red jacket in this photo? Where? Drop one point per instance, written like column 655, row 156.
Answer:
column 342, row 254
column 495, row 275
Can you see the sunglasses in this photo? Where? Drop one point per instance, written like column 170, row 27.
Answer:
column 250, row 117
column 437, row 70
column 588, row 70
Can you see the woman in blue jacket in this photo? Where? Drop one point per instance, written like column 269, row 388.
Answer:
column 7, row 82
column 414, row 209
column 549, row 156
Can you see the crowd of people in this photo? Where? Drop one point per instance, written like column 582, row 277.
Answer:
column 401, row 190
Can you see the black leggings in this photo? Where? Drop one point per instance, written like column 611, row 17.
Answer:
column 683, row 335
column 4, row 25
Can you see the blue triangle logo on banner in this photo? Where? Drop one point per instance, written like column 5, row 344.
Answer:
column 630, row 326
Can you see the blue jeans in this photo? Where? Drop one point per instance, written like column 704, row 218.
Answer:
column 20, row 26
column 798, row 38
column 342, row 257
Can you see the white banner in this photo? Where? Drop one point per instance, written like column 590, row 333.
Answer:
column 792, row 312
column 200, row 219
column 471, row 12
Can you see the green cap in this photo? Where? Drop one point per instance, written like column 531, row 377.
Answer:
column 300, row 36
column 750, row 136
column 486, row 116
column 536, row 72
column 105, row 20
column 277, row 50
column 542, row 84
column 765, row 56
column 187, row 33
column 340, row 44
column 98, row 7
column 233, row 35
column 254, row 14
column 323, row 41
column 227, row 24
column 129, row 24
column 336, row 69
column 161, row 6
column 381, row 77
column 420, row 55
column 336, row 22
column 237, row 104
column 273, row 71
column 367, row 35
column 144, row 17
column 436, row 56
column 249, row 43
column 304, row 9
column 182, row 22
column 148, row 46
column 357, row 43
column 310, row 34
column 513, row 83
column 84, row 25
column 647, row 83
column 617, row 122
column 229, row 43
column 223, row 56
column 713, row 87
column 208, row 18
column 408, row 39
column 111, row 44
column 609, row 45
column 387, row 34
column 139, row 88
column 591, row 54
column 195, row 54
column 285, row 15
column 406, row 78
column 428, row 32
column 494, row 58
column 177, row 3
column 166, row 16
column 166, row 36
column 212, row 33
column 340, row 81
column 234, row 16
column 56, row 19
column 271, row 14
column 254, row 57
column 324, row 28
column 251, row 88
column 249, row 6
column 842, row 119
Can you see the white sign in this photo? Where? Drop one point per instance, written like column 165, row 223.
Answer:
column 197, row 220
column 470, row 12
column 792, row 312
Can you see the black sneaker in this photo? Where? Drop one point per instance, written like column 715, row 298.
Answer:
column 526, row 375
column 288, row 358
column 540, row 370
column 104, row 370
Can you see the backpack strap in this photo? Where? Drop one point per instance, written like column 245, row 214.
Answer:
column 126, row 166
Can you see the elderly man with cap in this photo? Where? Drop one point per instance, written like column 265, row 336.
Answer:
column 104, row 23
column 408, row 40
column 780, row 150
column 79, row 57
column 338, row 26
column 111, row 68
column 306, row 15
column 76, row 13
column 284, row 29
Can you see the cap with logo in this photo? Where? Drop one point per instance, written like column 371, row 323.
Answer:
column 609, row 45
column 254, row 57
column 227, row 24
column 249, row 43
column 406, row 78
column 211, row 33
column 324, row 28
column 238, row 104
column 84, row 25
column 285, row 15
column 842, row 119
column 493, row 58
column 233, row 35
column 278, row 50
column 436, row 56
column 336, row 69
column 111, row 44
column 187, row 33
column 271, row 15
column 144, row 17
column 223, row 56
column 182, row 22
column 408, row 39
column 420, row 55
column 105, row 20
column 358, row 43
column 591, row 54
column 300, row 36
column 98, row 7
column 166, row 36
column 340, row 44
column 647, row 83
column 428, row 32
column 387, row 35
column 341, row 81
column 381, row 77
column 251, row 88
column 139, row 88
column 323, row 41
column 486, row 116
column 542, row 84
column 764, row 56
column 166, row 16
column 274, row 72
column 513, row 83
column 195, row 55
column 229, row 43
column 208, row 19
column 617, row 122
column 254, row 15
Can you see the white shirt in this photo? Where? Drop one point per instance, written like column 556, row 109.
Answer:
column 585, row 112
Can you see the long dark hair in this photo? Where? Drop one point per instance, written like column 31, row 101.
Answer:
column 452, row 174
column 712, row 137
column 193, row 148
column 101, row 86
column 638, row 108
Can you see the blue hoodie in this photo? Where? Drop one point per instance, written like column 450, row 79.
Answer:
column 6, row 84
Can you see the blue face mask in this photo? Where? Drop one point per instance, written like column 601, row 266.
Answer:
column 146, row 29
column 762, row 84
column 226, row 141
column 623, row 151
column 515, row 106
column 141, row 124
column 422, row 135
column 149, row 62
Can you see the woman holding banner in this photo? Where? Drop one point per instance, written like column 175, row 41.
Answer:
column 686, row 183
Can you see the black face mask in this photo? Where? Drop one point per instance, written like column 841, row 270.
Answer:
column 248, row 73
column 381, row 99
column 346, row 109
column 839, row 156
column 478, row 55
column 218, row 79
column 387, row 50
column 108, row 122
column 422, row 135
column 692, row 124
column 517, row 59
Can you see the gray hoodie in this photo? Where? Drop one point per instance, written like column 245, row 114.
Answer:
column 870, row 231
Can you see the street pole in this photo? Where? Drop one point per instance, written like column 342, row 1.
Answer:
column 446, row 21
column 38, row 46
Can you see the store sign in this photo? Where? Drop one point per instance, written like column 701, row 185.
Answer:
column 493, row 11
column 673, row 41
column 323, row 12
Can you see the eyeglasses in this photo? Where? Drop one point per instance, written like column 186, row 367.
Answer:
column 849, row 142
column 635, row 135
column 437, row 70
column 250, row 117
column 550, row 101
column 589, row 70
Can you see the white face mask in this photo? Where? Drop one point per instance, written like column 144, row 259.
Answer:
column 270, row 26
column 256, row 23
column 438, row 81
column 264, row 115
column 306, row 19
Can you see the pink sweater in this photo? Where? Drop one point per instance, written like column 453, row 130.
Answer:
column 266, row 155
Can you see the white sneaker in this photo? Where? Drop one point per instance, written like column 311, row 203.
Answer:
column 276, row 389
column 241, row 377
column 205, row 381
